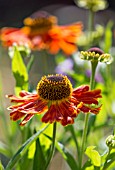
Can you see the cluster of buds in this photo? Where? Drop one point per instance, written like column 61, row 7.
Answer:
column 110, row 141
column 93, row 5
column 96, row 55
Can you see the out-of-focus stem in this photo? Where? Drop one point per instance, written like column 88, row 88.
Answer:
column 92, row 83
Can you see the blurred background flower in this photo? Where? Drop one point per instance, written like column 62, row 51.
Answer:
column 65, row 67
column 92, row 4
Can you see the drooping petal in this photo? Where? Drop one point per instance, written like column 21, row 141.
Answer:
column 52, row 115
column 15, row 115
column 27, row 105
column 23, row 97
column 26, row 119
column 87, row 109
column 67, row 120
column 83, row 98
column 24, row 93
column 82, row 94
column 80, row 89
column 68, row 109
column 63, row 113
column 68, row 114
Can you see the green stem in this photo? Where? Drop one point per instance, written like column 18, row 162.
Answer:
column 83, row 140
column 92, row 83
column 93, row 69
column 30, row 63
column 106, row 165
column 91, row 21
column 52, row 147
column 23, row 149
column 90, row 26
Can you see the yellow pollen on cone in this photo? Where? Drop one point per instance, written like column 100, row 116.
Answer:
column 54, row 87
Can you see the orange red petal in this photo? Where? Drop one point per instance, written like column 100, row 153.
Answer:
column 82, row 94
column 11, row 35
column 62, row 113
column 26, row 119
column 64, row 38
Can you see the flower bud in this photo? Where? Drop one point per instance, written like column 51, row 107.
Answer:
column 96, row 55
column 110, row 141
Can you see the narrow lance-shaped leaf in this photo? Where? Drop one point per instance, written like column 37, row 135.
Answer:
column 31, row 150
column 19, row 71
column 110, row 158
column 88, row 166
column 1, row 166
column 65, row 154
column 23, row 149
column 39, row 158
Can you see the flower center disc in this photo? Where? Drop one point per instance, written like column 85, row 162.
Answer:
column 39, row 25
column 54, row 87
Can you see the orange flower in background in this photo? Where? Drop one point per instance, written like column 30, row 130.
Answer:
column 41, row 31
column 39, row 23
column 53, row 38
column 56, row 99
column 63, row 38
column 37, row 26
column 8, row 36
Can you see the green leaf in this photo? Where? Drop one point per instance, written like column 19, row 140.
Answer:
column 24, row 163
column 44, row 140
column 110, row 159
column 23, row 149
column 88, row 165
column 30, row 63
column 67, row 156
column 72, row 131
column 39, row 159
column 93, row 155
column 31, row 150
column 1, row 166
column 19, row 71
